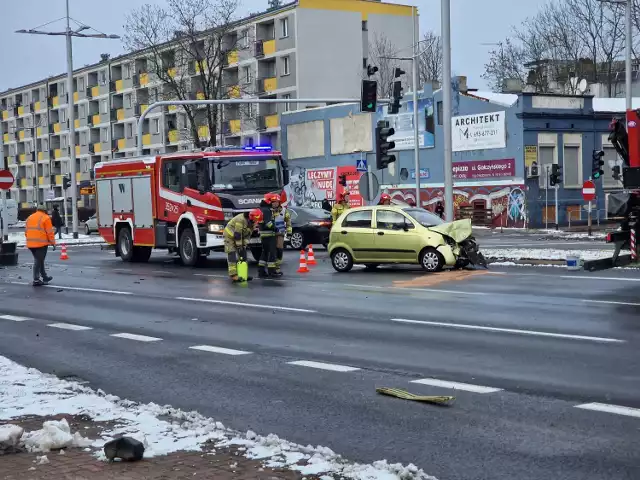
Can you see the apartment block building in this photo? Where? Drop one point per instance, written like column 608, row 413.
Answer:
column 304, row 49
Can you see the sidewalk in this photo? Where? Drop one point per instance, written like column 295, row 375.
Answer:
column 78, row 464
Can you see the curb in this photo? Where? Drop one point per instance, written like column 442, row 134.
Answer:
column 541, row 262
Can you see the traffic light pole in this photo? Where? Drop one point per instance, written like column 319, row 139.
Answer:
column 446, row 109
column 555, row 193
column 4, row 234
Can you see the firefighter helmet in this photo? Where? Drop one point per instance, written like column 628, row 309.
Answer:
column 343, row 194
column 385, row 197
column 255, row 215
column 272, row 197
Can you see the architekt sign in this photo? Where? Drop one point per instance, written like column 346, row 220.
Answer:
column 479, row 132
column 484, row 169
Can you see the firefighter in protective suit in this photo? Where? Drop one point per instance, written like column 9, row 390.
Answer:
column 236, row 237
column 267, row 262
column 282, row 221
column 341, row 206
column 385, row 199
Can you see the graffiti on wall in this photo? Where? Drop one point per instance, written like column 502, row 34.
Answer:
column 308, row 187
column 507, row 203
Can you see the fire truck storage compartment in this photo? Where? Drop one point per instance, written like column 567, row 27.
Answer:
column 105, row 215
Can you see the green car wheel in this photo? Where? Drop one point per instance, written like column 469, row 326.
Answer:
column 431, row 260
column 341, row 260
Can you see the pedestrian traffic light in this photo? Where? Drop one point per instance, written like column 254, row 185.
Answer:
column 397, row 96
column 66, row 182
column 596, row 168
column 343, row 180
column 383, row 145
column 556, row 175
column 369, row 96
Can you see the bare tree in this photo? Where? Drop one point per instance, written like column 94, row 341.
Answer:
column 430, row 61
column 505, row 62
column 381, row 51
column 186, row 46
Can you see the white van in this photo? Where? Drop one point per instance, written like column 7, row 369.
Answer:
column 12, row 212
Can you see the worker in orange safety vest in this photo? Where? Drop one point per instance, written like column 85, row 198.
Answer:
column 39, row 234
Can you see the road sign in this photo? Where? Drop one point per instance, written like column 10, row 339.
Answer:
column 361, row 165
column 6, row 180
column 369, row 186
column 588, row 191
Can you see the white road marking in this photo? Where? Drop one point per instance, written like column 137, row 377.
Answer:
column 225, row 351
column 510, row 330
column 427, row 290
column 241, row 304
column 14, row 318
column 324, row 366
column 69, row 326
column 210, row 275
column 611, row 302
column 93, row 290
column 133, row 336
column 434, row 382
column 617, row 409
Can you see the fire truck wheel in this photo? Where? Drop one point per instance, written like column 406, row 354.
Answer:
column 188, row 248
column 125, row 244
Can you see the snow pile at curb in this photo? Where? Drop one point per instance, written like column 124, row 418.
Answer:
column 25, row 391
column 67, row 239
column 543, row 254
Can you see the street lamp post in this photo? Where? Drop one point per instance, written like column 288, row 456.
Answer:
column 69, row 33
column 446, row 108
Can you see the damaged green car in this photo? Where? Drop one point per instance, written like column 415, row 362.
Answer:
column 385, row 234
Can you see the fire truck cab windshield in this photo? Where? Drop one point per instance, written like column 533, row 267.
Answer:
column 245, row 174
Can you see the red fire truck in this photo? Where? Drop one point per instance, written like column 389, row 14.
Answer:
column 182, row 201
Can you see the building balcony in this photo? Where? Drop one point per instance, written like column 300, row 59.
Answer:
column 5, row 115
column 97, row 147
column 267, row 85
column 203, row 132
column 38, row 106
column 76, row 123
column 269, row 47
column 232, row 58
column 21, row 135
column 5, row 138
column 172, row 72
column 58, row 153
column 233, row 91
column 146, row 139
column 21, row 111
column 119, row 86
column 143, row 79
column 58, row 127
column 25, row 183
column 95, row 91
column 76, row 97
column 140, row 109
column 173, row 136
column 197, row 67
column 43, row 156
column 95, row 119
column 235, row 126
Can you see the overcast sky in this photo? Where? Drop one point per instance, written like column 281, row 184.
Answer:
column 29, row 58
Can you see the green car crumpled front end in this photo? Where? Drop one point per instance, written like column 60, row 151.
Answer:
column 459, row 236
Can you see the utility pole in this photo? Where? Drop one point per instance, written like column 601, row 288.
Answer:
column 416, row 133
column 446, row 108
column 69, row 34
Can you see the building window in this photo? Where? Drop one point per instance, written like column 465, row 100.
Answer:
column 440, row 112
column 129, row 129
column 246, row 74
column 572, row 167
column 63, row 141
column 104, row 135
column 63, row 88
column 286, row 96
column 102, row 77
column 249, row 110
column 63, row 115
column 105, row 106
column 244, row 39
column 365, row 26
column 80, row 84
column 81, row 111
column 156, row 126
column 127, row 100
column 284, row 27
column 285, row 66
column 127, row 70
column 611, row 159
column 545, row 158
column 45, row 145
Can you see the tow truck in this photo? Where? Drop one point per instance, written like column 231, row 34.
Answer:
column 182, row 201
column 624, row 204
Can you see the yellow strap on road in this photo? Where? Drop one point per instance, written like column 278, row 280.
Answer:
column 396, row 392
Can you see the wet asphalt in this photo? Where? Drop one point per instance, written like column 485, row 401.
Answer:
column 531, row 344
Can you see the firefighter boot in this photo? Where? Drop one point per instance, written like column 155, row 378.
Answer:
column 275, row 273
column 262, row 272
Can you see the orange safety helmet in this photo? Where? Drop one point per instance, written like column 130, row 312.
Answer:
column 255, row 215
column 385, row 197
column 271, row 197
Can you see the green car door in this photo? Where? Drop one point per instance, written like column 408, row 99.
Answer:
column 356, row 234
column 396, row 237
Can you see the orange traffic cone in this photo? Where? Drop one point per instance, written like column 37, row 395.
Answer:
column 63, row 252
column 303, row 263
column 312, row 259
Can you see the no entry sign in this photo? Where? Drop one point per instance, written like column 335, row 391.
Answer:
column 589, row 191
column 6, row 180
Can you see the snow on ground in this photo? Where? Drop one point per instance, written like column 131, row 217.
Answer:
column 67, row 239
column 549, row 232
column 543, row 254
column 25, row 391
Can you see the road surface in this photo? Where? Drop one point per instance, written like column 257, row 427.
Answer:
column 543, row 362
